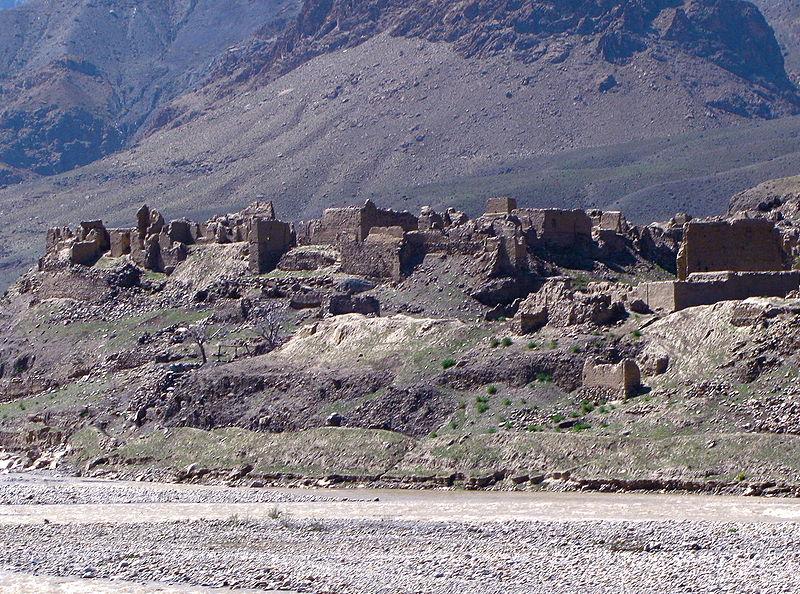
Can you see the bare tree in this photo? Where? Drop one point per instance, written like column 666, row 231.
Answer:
column 200, row 335
column 268, row 328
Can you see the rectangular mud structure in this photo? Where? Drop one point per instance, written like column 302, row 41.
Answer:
column 743, row 245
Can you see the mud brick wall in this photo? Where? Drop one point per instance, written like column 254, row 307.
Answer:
column 269, row 241
column 713, row 287
column 344, row 225
column 500, row 205
column 120, row 242
column 380, row 256
column 739, row 246
column 624, row 377
column 557, row 228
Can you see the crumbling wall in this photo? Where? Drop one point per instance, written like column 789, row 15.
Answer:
column 623, row 378
column 557, row 304
column 741, row 245
column 501, row 205
column 610, row 220
column 557, row 228
column 345, row 225
column 382, row 255
column 713, row 287
column 120, row 242
column 269, row 241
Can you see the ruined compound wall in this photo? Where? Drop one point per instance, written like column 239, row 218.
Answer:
column 611, row 220
column 739, row 246
column 557, row 228
column 658, row 296
column 343, row 225
column 500, row 205
column 371, row 217
column 380, row 256
column 337, row 225
column 269, row 241
column 713, row 287
column 624, row 377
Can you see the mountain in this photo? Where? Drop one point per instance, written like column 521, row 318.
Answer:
column 78, row 78
column 784, row 17
column 580, row 103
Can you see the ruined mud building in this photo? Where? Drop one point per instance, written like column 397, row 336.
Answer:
column 511, row 246
column 725, row 261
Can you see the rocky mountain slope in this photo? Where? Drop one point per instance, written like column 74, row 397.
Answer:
column 784, row 17
column 78, row 78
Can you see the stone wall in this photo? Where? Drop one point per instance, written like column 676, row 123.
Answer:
column 713, row 287
column 624, row 378
column 741, row 245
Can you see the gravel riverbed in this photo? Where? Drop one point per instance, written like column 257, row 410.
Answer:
column 82, row 494
column 374, row 556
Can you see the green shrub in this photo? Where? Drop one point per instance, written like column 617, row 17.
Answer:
column 553, row 344
column 533, row 428
column 544, row 378
column 636, row 333
column 580, row 426
column 482, row 407
column 557, row 418
column 434, row 434
column 448, row 363
column 507, row 342
column 492, row 430
column 586, row 407
column 575, row 414
column 506, row 401
column 741, row 476
column 533, row 345
column 491, row 390
column 494, row 343
column 575, row 349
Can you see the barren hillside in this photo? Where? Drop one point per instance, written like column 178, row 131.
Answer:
column 784, row 17
column 78, row 78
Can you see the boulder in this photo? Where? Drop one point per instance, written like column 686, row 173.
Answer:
column 343, row 304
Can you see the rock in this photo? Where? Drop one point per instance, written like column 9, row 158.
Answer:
column 638, row 306
column 353, row 286
column 306, row 300
column 338, row 305
column 334, row 420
